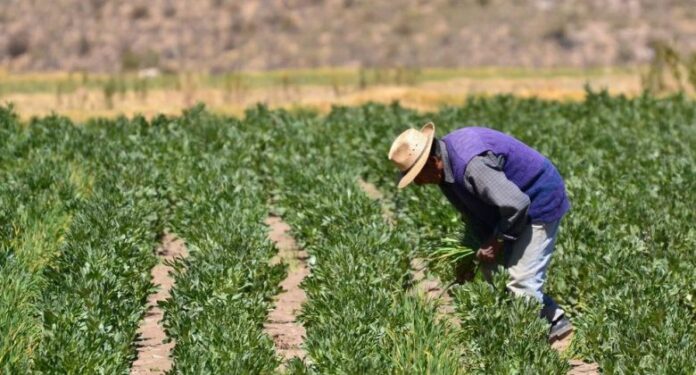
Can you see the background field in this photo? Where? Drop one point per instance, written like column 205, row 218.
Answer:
column 124, row 57
column 83, row 95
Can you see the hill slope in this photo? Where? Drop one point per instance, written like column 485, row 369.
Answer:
column 215, row 35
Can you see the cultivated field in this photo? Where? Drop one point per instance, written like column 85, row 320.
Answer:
column 83, row 207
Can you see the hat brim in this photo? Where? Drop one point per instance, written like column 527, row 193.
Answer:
column 411, row 173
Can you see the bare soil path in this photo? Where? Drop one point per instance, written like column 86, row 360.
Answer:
column 282, row 325
column 432, row 288
column 581, row 368
column 578, row 367
column 373, row 192
column 153, row 353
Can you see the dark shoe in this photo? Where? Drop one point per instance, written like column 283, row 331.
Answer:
column 560, row 329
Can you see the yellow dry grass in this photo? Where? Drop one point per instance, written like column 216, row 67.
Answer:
column 428, row 95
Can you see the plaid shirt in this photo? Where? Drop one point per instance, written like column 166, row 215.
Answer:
column 492, row 204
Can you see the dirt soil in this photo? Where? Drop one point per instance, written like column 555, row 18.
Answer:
column 581, row 368
column 370, row 189
column 578, row 367
column 434, row 290
column 153, row 353
column 373, row 192
column 282, row 325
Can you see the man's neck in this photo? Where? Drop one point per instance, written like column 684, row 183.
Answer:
column 447, row 175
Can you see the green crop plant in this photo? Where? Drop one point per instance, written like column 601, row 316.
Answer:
column 224, row 289
column 82, row 208
column 37, row 198
column 504, row 334
column 96, row 288
column 359, row 316
column 452, row 251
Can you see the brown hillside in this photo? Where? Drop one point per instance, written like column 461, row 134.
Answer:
column 222, row 35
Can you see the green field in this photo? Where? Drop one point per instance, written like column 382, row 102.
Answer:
column 82, row 206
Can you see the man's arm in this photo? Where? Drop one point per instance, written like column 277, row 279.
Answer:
column 485, row 179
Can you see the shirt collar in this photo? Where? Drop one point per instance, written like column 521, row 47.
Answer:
column 449, row 176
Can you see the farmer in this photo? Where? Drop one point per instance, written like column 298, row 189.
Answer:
column 511, row 195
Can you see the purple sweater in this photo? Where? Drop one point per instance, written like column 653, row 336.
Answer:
column 533, row 174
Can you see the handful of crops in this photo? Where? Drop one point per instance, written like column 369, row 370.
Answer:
column 452, row 251
column 455, row 257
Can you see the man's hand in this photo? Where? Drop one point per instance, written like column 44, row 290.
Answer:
column 489, row 250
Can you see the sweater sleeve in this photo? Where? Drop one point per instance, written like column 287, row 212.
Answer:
column 484, row 178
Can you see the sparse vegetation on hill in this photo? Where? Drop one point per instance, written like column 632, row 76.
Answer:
column 223, row 35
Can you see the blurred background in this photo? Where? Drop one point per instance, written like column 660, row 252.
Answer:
column 85, row 58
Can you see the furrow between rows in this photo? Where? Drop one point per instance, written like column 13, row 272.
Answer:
column 426, row 284
column 154, row 354
column 282, row 323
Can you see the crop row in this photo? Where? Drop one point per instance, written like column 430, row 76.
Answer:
column 96, row 289
column 37, row 196
column 80, row 230
column 223, row 290
column 360, row 316
column 82, row 210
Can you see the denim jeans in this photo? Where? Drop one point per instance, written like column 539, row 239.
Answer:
column 526, row 261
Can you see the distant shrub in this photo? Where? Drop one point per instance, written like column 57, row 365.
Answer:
column 561, row 36
column 169, row 11
column 83, row 46
column 670, row 69
column 109, row 89
column 140, row 12
column 131, row 60
column 18, row 44
column 98, row 4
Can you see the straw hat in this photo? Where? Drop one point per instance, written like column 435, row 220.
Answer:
column 410, row 151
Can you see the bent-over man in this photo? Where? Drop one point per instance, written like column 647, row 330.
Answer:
column 510, row 194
